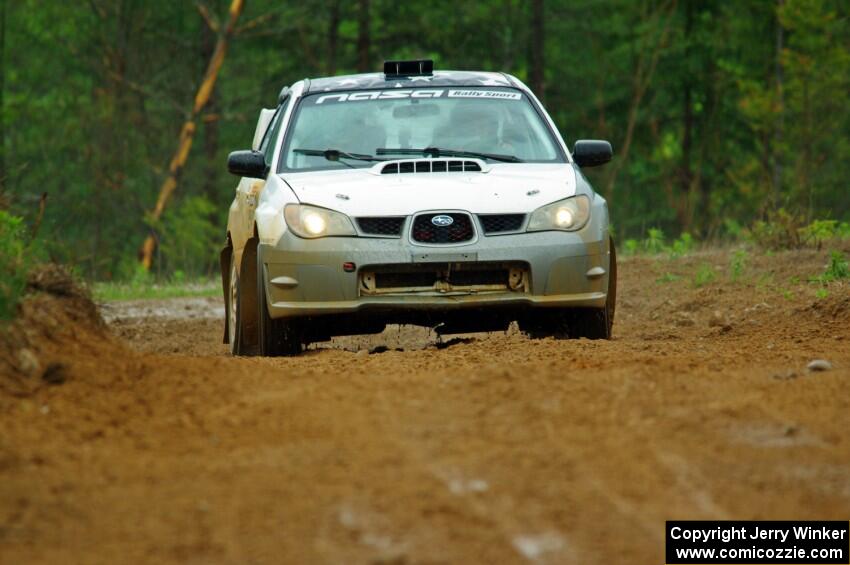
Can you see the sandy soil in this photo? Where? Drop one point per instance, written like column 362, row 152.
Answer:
column 160, row 448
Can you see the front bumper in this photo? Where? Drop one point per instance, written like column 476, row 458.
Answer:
column 307, row 277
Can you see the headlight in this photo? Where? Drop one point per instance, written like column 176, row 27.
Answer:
column 312, row 221
column 570, row 214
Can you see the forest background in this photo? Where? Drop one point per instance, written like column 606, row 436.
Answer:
column 729, row 120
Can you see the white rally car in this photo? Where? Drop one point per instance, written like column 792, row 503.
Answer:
column 444, row 199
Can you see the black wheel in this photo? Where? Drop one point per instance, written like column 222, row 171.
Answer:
column 597, row 323
column 236, row 307
column 276, row 337
column 590, row 323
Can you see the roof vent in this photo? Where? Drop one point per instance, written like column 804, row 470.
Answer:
column 419, row 166
column 400, row 69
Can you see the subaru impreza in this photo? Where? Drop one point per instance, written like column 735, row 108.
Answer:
column 446, row 199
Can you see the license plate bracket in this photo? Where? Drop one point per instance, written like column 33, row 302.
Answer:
column 444, row 257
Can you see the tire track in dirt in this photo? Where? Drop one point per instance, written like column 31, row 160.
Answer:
column 496, row 449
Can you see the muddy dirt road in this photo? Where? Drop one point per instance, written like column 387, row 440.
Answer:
column 490, row 449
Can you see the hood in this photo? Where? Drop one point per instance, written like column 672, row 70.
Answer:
column 498, row 189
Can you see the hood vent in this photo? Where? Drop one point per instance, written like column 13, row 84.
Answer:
column 431, row 166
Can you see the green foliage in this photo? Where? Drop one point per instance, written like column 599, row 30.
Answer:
column 837, row 268
column 737, row 264
column 780, row 231
column 141, row 277
column 190, row 236
column 818, row 231
column 716, row 140
column 147, row 289
column 733, row 229
column 704, row 275
column 631, row 247
column 14, row 263
column 785, row 230
column 821, row 293
column 682, row 246
column 764, row 281
column 654, row 242
column 668, row 278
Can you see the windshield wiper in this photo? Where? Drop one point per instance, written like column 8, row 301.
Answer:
column 439, row 152
column 336, row 154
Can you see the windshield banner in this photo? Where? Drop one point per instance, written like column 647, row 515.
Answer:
column 418, row 93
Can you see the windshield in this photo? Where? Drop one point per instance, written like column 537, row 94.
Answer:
column 354, row 129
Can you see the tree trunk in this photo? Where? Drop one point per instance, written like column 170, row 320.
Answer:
column 2, row 88
column 642, row 80
column 187, row 132
column 686, row 176
column 537, row 43
column 780, row 121
column 363, row 39
column 333, row 37
column 210, row 134
column 109, row 156
column 808, row 140
column 710, row 141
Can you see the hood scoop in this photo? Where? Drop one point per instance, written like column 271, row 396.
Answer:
column 420, row 166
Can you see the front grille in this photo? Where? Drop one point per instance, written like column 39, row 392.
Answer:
column 425, row 231
column 381, row 225
column 501, row 223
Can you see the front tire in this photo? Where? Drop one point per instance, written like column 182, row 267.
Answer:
column 276, row 336
column 237, row 305
column 598, row 323
column 574, row 323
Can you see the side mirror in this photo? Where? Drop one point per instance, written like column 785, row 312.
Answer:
column 592, row 152
column 251, row 164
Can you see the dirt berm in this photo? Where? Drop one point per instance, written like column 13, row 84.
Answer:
column 140, row 440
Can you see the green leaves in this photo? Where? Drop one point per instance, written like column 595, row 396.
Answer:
column 190, row 236
column 837, row 268
column 14, row 263
column 705, row 274
column 95, row 94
